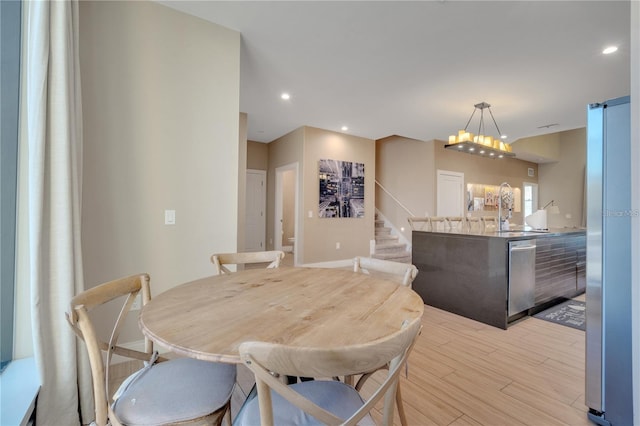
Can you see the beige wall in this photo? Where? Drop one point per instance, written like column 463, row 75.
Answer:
column 563, row 181
column 544, row 147
column 284, row 151
column 316, row 238
column 406, row 168
column 257, row 155
column 161, row 129
column 486, row 171
column 322, row 234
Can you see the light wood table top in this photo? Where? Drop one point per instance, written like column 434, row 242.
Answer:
column 209, row 318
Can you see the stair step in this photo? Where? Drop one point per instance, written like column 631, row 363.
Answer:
column 404, row 257
column 384, row 238
column 391, row 248
column 382, row 230
column 387, row 246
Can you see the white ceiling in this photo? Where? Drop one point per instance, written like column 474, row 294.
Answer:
column 416, row 69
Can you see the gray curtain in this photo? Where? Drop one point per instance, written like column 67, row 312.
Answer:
column 50, row 182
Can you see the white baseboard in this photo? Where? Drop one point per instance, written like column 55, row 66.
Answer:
column 331, row 264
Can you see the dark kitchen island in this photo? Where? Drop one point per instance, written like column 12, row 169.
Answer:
column 468, row 273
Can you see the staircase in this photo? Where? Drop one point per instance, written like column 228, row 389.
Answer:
column 387, row 245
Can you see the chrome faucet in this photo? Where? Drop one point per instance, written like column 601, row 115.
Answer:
column 510, row 205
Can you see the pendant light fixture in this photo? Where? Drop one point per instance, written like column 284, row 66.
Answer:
column 480, row 144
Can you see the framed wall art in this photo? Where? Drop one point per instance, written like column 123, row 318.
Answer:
column 341, row 189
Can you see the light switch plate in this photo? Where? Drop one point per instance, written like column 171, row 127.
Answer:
column 169, row 217
column 137, row 303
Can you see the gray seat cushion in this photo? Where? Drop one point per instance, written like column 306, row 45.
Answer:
column 174, row 391
column 336, row 397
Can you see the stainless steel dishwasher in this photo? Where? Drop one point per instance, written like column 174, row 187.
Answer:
column 522, row 275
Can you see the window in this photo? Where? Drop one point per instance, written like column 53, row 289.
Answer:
column 10, row 21
column 529, row 198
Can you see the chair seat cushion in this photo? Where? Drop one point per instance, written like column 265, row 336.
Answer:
column 336, row 397
column 174, row 391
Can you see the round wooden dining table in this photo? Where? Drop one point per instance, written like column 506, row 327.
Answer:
column 209, row 318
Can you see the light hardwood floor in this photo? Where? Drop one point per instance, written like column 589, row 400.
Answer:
column 462, row 372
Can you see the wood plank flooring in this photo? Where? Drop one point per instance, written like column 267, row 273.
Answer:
column 465, row 373
column 462, row 372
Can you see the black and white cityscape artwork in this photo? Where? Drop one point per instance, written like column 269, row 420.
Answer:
column 341, row 189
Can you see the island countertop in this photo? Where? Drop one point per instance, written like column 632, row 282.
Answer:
column 514, row 232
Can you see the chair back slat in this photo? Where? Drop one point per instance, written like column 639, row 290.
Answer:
column 419, row 223
column 489, row 222
column 456, row 223
column 220, row 260
column 267, row 358
column 437, row 223
column 404, row 273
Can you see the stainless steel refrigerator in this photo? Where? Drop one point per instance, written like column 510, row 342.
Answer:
column 609, row 389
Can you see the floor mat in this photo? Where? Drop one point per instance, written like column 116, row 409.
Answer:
column 570, row 313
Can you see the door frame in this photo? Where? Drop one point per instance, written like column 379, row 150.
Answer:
column 277, row 229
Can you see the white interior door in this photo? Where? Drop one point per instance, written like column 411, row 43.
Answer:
column 255, row 223
column 450, row 195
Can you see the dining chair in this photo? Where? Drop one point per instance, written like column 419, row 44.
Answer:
column 220, row 260
column 182, row 390
column 323, row 401
column 490, row 223
column 419, row 223
column 404, row 273
column 474, row 223
column 437, row 223
column 456, row 223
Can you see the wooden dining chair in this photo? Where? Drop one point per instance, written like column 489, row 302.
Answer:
column 404, row 273
column 419, row 223
column 323, row 401
column 474, row 223
column 490, row 223
column 220, row 260
column 183, row 390
column 456, row 223
column 437, row 223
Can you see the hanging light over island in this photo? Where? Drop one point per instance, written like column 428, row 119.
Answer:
column 480, row 144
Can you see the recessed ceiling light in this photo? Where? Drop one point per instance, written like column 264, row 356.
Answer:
column 285, row 96
column 482, row 152
column 610, row 49
column 471, row 149
column 503, row 136
column 344, row 128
